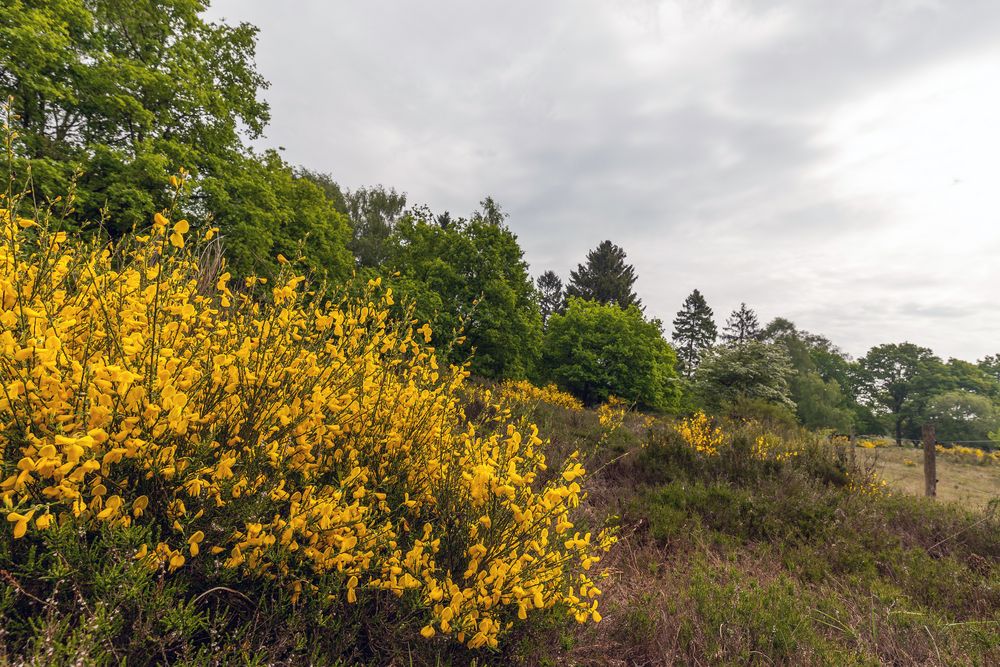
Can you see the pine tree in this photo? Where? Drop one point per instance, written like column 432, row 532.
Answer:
column 605, row 278
column 694, row 332
column 741, row 327
column 550, row 290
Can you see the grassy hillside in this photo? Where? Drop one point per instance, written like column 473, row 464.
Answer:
column 732, row 560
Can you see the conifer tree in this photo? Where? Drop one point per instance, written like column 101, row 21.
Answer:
column 694, row 332
column 741, row 327
column 550, row 291
column 605, row 278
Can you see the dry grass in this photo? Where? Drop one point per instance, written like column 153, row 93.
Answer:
column 969, row 484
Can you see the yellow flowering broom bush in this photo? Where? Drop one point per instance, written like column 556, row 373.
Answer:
column 525, row 393
column 268, row 431
column 701, row 433
column 965, row 454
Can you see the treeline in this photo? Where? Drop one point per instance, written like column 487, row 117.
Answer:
column 109, row 97
column 894, row 388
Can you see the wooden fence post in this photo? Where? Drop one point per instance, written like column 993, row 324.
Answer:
column 853, row 444
column 930, row 461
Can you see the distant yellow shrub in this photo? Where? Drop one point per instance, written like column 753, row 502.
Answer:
column 611, row 415
column 871, row 443
column 701, row 433
column 273, row 434
column 868, row 485
column 770, row 447
column 524, row 393
column 969, row 454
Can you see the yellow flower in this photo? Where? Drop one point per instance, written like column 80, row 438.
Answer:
column 20, row 522
column 286, row 434
column 701, row 434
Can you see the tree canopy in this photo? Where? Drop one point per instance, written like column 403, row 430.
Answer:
column 472, row 274
column 597, row 350
column 897, row 380
column 821, row 400
column 374, row 213
column 694, row 332
column 605, row 278
column 741, row 326
column 963, row 415
column 111, row 97
column 756, row 371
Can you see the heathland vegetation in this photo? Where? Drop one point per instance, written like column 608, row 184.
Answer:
column 251, row 416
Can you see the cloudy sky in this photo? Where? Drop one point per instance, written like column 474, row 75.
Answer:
column 835, row 163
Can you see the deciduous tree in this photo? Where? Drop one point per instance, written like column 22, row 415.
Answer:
column 471, row 273
column 111, row 97
column 963, row 415
column 755, row 371
column 374, row 213
column 897, row 380
column 597, row 350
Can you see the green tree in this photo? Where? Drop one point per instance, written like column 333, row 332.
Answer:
column 694, row 332
column 820, row 401
column 330, row 187
column 605, row 278
column 265, row 209
column 973, row 378
column 119, row 73
column 830, row 361
column 897, row 381
column 112, row 96
column 963, row 415
column 754, row 371
column 374, row 213
column 597, row 350
column 990, row 365
column 741, row 326
column 550, row 295
column 472, row 274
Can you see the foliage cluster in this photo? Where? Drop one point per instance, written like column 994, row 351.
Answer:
column 597, row 351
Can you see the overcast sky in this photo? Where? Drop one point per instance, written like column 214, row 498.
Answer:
column 835, row 163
